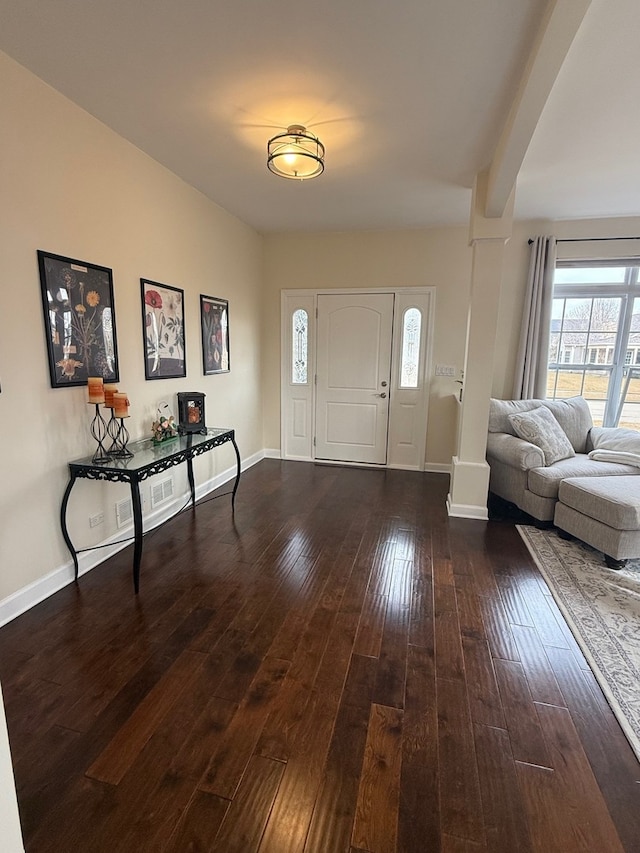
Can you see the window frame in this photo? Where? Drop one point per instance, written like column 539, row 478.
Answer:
column 627, row 291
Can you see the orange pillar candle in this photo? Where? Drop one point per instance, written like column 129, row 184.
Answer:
column 96, row 389
column 120, row 405
column 109, row 391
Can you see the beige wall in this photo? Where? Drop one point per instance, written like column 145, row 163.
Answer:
column 70, row 186
column 438, row 257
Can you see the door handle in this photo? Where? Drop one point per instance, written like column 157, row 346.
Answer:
column 383, row 395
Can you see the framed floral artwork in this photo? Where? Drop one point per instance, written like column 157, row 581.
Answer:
column 163, row 330
column 79, row 319
column 214, row 320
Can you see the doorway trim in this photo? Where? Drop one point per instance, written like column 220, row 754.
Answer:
column 298, row 401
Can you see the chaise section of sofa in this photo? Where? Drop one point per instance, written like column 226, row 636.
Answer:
column 519, row 474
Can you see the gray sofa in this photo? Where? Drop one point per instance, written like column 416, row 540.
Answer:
column 519, row 473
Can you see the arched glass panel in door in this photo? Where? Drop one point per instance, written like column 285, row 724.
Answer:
column 410, row 352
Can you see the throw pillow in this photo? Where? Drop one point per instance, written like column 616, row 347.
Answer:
column 541, row 428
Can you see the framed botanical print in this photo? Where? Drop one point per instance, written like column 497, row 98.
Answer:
column 214, row 320
column 79, row 319
column 163, row 330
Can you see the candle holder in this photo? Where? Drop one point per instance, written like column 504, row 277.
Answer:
column 99, row 432
column 112, row 431
column 119, row 447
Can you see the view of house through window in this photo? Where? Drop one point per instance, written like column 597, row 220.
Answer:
column 594, row 347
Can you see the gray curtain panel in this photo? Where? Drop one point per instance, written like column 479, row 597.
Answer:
column 531, row 365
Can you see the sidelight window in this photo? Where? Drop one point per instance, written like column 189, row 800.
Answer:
column 300, row 337
column 410, row 359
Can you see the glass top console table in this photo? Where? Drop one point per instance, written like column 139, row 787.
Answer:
column 148, row 459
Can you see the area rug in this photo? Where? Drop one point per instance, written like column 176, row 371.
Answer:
column 602, row 608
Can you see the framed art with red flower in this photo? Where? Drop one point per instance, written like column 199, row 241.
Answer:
column 79, row 319
column 214, row 320
column 163, row 330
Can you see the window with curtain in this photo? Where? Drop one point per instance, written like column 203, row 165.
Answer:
column 594, row 346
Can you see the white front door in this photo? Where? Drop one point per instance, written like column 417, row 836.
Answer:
column 353, row 375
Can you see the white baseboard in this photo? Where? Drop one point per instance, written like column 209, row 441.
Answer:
column 466, row 510
column 430, row 467
column 27, row 597
column 438, row 468
column 271, row 453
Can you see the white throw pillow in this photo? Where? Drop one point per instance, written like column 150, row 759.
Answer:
column 541, row 428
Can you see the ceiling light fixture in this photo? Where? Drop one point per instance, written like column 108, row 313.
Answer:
column 295, row 154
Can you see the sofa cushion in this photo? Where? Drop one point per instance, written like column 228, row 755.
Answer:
column 615, row 501
column 499, row 411
column 545, row 481
column 573, row 415
column 540, row 427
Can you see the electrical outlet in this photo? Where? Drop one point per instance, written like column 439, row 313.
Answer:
column 95, row 520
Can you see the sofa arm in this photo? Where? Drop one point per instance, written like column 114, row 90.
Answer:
column 614, row 438
column 514, row 451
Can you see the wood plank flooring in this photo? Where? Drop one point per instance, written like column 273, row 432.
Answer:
column 339, row 669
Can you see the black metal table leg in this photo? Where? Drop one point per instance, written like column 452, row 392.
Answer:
column 63, row 524
column 237, row 482
column 135, row 469
column 138, row 533
column 192, row 482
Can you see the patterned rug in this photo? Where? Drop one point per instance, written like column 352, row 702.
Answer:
column 602, row 608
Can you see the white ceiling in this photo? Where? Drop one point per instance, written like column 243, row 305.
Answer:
column 409, row 98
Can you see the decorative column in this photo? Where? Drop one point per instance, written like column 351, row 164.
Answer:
column 470, row 472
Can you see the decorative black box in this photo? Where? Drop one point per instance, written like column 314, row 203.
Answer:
column 191, row 412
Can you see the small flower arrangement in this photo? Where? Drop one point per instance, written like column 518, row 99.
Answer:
column 164, row 429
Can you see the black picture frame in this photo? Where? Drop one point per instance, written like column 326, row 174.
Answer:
column 214, row 325
column 79, row 319
column 163, row 330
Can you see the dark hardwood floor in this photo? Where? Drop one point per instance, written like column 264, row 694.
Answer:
column 343, row 668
